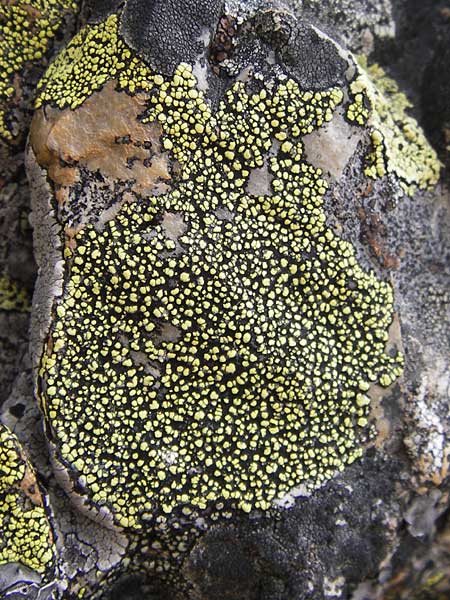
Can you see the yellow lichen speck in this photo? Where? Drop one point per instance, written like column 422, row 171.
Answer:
column 211, row 344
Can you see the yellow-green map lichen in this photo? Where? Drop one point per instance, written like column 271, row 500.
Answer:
column 26, row 28
column 12, row 296
column 211, row 344
column 95, row 55
column 399, row 145
column 26, row 535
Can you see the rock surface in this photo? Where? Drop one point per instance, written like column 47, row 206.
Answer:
column 240, row 324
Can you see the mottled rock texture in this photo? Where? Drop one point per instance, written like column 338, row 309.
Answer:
column 235, row 379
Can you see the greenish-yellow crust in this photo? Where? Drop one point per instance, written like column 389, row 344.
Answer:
column 26, row 534
column 12, row 296
column 27, row 27
column 94, row 56
column 399, row 145
column 230, row 360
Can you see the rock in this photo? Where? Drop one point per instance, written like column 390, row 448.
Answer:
column 30, row 33
column 239, row 332
column 25, row 522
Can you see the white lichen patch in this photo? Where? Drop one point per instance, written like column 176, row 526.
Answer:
column 332, row 588
column 288, row 500
column 428, row 442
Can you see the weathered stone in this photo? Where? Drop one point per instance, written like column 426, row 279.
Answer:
column 240, row 247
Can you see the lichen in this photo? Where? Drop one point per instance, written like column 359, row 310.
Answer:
column 27, row 28
column 399, row 145
column 211, row 344
column 93, row 56
column 13, row 296
column 26, row 533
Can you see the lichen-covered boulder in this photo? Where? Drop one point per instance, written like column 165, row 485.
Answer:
column 229, row 209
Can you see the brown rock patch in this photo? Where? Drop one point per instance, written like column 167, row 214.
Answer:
column 103, row 134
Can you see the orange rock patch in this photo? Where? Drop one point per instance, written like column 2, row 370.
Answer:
column 103, row 134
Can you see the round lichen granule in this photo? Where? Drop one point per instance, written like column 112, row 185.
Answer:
column 212, row 344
